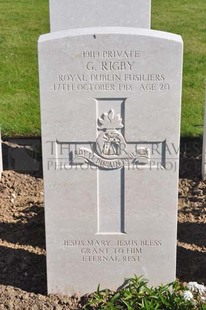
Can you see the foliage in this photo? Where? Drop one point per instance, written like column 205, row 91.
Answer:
column 135, row 294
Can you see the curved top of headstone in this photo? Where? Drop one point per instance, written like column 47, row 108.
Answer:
column 70, row 14
column 130, row 52
column 95, row 31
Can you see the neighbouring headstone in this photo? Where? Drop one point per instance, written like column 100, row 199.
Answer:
column 110, row 109
column 23, row 155
column 1, row 161
column 69, row 14
column 204, row 148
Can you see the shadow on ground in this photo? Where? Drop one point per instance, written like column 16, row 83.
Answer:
column 190, row 158
column 28, row 230
column 192, row 233
column 191, row 265
column 22, row 269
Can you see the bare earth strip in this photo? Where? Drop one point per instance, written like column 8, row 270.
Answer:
column 22, row 238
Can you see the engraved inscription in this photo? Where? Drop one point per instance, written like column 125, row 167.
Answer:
column 111, row 71
column 110, row 66
column 111, row 251
column 111, row 54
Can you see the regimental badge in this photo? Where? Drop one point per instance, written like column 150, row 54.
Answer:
column 111, row 151
column 110, row 142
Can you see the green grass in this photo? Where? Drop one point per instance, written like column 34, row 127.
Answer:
column 187, row 18
column 22, row 21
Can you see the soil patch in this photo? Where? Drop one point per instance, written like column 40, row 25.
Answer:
column 22, row 235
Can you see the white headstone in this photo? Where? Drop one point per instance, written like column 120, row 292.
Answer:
column 70, row 14
column 110, row 108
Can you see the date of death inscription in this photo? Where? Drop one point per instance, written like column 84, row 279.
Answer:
column 111, row 71
column 110, row 251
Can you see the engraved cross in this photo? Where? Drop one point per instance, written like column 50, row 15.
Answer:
column 111, row 154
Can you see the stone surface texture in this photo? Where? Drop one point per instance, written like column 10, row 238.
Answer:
column 69, row 14
column 110, row 109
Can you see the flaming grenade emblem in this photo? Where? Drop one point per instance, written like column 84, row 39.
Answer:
column 110, row 143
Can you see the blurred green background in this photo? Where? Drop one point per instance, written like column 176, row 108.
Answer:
column 21, row 23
